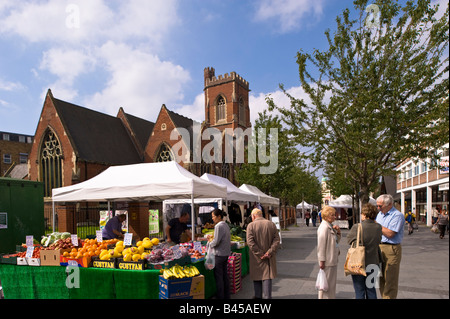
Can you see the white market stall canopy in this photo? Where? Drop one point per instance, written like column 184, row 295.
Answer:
column 345, row 201
column 140, row 182
column 233, row 192
column 304, row 205
column 262, row 197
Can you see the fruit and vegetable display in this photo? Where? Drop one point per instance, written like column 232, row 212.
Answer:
column 180, row 272
column 53, row 237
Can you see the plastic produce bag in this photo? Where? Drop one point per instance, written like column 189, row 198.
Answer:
column 321, row 282
column 435, row 229
column 210, row 261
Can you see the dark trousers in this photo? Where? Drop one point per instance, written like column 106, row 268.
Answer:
column 221, row 276
column 263, row 289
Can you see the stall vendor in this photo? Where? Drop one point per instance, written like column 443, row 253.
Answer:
column 113, row 228
column 176, row 227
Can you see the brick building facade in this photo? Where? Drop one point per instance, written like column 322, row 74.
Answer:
column 73, row 144
column 14, row 150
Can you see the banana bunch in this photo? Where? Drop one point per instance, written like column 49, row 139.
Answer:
column 180, row 272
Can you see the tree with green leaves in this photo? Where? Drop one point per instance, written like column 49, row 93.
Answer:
column 291, row 181
column 378, row 95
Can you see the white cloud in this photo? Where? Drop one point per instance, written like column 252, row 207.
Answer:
column 67, row 64
column 195, row 111
column 88, row 20
column 289, row 14
column 10, row 86
column 139, row 81
column 119, row 39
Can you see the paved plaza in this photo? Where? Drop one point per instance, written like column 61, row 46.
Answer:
column 424, row 272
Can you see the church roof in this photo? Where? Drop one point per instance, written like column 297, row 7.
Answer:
column 97, row 137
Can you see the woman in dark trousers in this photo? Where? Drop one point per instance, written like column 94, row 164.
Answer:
column 222, row 249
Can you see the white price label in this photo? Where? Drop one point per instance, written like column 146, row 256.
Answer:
column 29, row 241
column 74, row 238
column 198, row 246
column 176, row 252
column 128, row 238
column 98, row 235
column 72, row 263
column 30, row 250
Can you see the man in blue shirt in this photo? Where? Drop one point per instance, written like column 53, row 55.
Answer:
column 392, row 222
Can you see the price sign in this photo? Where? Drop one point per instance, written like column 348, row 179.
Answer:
column 198, row 246
column 128, row 238
column 98, row 235
column 30, row 250
column 74, row 238
column 29, row 241
column 72, row 263
column 176, row 251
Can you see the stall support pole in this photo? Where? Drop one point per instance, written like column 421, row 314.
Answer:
column 53, row 221
column 192, row 216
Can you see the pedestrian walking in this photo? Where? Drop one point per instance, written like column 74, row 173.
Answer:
column 307, row 217
column 442, row 222
column 410, row 219
column 263, row 241
column 392, row 222
column 222, row 249
column 314, row 217
column 371, row 237
column 434, row 215
column 328, row 237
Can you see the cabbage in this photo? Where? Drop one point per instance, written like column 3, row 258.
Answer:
column 65, row 235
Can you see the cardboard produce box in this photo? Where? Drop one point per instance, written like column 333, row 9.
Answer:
column 51, row 257
column 182, row 288
column 131, row 265
column 98, row 263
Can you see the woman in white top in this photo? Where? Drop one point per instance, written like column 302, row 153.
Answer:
column 328, row 237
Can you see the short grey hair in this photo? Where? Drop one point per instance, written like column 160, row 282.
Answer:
column 386, row 199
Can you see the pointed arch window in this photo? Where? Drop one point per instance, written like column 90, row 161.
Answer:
column 242, row 119
column 226, row 170
column 164, row 154
column 50, row 162
column 220, row 109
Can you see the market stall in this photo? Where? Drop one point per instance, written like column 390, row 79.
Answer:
column 141, row 182
column 114, row 268
column 53, row 282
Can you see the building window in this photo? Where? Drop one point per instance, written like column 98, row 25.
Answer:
column 50, row 163
column 164, row 154
column 23, row 158
column 226, row 170
column 220, row 109
column 205, row 168
column 7, row 158
column 5, row 137
column 242, row 119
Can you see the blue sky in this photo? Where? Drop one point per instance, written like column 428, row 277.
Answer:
column 106, row 54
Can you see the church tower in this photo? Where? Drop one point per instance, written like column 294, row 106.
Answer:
column 226, row 100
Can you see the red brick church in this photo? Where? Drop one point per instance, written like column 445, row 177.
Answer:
column 73, row 143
